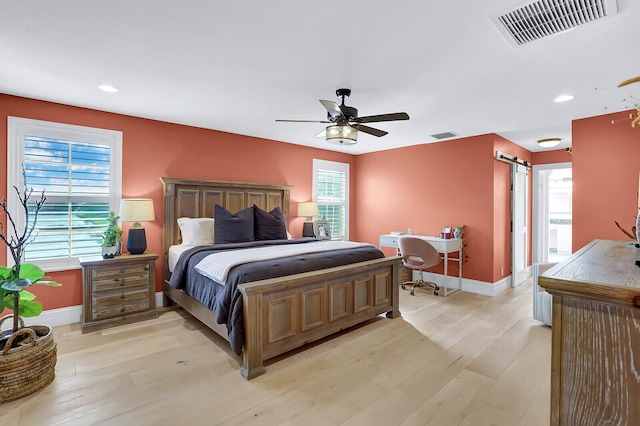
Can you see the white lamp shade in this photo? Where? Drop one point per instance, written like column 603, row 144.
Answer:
column 342, row 134
column 308, row 209
column 136, row 210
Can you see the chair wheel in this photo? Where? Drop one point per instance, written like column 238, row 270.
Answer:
column 412, row 293
column 435, row 293
column 404, row 287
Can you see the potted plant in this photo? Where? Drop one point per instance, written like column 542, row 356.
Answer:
column 112, row 237
column 28, row 357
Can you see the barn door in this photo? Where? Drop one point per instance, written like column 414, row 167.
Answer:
column 519, row 181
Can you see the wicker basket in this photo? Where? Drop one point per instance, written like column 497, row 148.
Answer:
column 406, row 274
column 29, row 367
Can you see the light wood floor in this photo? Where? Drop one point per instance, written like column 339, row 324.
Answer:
column 462, row 360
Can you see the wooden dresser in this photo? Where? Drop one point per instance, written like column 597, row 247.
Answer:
column 595, row 364
column 117, row 291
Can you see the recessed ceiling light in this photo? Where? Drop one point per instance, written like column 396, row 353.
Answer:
column 107, row 88
column 563, row 98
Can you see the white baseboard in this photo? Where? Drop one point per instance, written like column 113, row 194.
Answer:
column 54, row 317
column 71, row 314
column 468, row 285
column 68, row 315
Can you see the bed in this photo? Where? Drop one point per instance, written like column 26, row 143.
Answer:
column 282, row 313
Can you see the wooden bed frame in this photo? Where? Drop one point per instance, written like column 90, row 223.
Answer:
column 285, row 313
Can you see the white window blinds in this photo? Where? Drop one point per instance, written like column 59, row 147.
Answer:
column 331, row 191
column 75, row 178
column 79, row 170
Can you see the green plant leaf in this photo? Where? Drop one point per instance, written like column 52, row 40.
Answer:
column 16, row 284
column 31, row 271
column 5, row 273
column 29, row 308
column 26, row 296
column 49, row 283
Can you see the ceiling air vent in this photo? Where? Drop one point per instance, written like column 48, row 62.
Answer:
column 444, row 135
column 534, row 20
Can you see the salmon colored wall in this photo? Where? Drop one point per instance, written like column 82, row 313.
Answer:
column 152, row 149
column 606, row 164
column 426, row 187
column 551, row 157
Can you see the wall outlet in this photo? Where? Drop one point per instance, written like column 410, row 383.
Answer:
column 502, row 271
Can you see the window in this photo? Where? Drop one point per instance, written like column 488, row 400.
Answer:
column 79, row 169
column 331, row 192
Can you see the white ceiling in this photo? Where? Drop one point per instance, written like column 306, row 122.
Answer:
column 236, row 66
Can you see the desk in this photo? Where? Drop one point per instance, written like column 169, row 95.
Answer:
column 444, row 247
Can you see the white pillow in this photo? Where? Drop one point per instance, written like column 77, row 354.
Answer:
column 196, row 231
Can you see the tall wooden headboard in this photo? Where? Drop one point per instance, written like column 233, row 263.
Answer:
column 197, row 198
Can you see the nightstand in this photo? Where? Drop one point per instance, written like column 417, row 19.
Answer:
column 117, row 291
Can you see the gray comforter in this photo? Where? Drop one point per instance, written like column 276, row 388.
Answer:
column 226, row 300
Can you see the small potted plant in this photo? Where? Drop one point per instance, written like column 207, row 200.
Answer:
column 112, row 237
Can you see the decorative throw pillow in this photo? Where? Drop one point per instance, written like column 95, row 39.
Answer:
column 233, row 228
column 269, row 225
column 196, row 231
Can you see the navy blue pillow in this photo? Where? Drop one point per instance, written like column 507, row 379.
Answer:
column 232, row 228
column 269, row 225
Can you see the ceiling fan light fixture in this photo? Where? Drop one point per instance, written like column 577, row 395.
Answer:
column 549, row 142
column 342, row 134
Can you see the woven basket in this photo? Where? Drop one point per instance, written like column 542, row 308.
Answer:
column 29, row 367
column 406, row 274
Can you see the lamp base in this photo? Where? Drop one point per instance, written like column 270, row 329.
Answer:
column 136, row 241
column 307, row 230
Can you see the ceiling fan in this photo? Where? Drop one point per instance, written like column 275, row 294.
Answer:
column 345, row 122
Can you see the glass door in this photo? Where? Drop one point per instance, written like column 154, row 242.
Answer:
column 552, row 212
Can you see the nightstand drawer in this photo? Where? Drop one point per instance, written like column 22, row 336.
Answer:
column 116, row 311
column 104, row 279
column 106, row 284
column 100, row 300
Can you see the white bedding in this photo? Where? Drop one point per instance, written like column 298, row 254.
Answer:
column 174, row 254
column 216, row 266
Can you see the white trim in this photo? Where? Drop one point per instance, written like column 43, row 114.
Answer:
column 468, row 285
column 539, row 217
column 337, row 167
column 68, row 315
column 54, row 317
column 18, row 128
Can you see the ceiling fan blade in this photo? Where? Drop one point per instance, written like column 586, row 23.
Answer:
column 322, row 134
column 304, row 121
column 332, row 108
column 370, row 130
column 382, row 117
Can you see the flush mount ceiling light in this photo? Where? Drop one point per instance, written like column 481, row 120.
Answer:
column 549, row 142
column 342, row 134
column 107, row 88
column 563, row 98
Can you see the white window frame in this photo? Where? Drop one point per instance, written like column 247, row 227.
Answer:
column 18, row 129
column 336, row 167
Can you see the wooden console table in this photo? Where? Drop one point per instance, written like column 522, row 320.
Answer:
column 595, row 363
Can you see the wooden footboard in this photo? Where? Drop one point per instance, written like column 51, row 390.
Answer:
column 285, row 313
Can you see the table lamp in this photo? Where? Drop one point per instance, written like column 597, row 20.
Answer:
column 136, row 210
column 309, row 210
